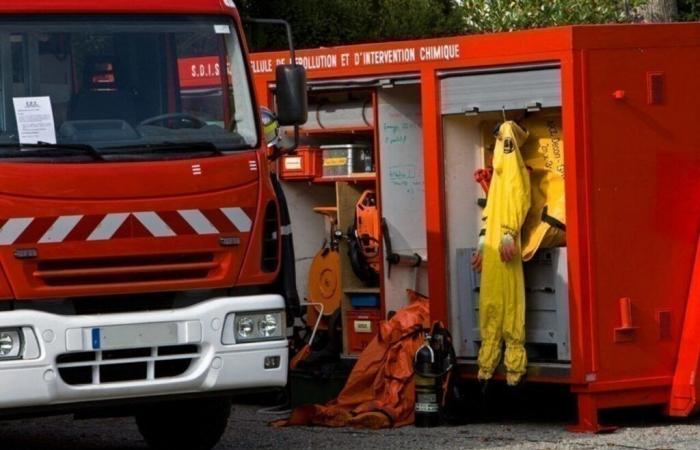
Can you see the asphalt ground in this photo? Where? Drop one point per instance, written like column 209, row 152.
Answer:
column 537, row 423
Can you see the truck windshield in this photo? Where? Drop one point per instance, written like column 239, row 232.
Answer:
column 141, row 87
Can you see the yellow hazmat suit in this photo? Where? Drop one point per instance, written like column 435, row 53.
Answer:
column 502, row 294
column 543, row 153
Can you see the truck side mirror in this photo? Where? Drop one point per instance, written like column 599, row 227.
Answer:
column 292, row 101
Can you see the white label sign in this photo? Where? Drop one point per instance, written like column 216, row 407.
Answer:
column 363, row 326
column 222, row 29
column 292, row 163
column 34, row 120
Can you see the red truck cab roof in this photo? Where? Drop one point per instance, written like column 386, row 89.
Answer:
column 114, row 6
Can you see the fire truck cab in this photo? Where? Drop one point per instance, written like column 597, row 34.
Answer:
column 139, row 227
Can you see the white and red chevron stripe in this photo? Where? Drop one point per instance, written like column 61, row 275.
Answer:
column 48, row 230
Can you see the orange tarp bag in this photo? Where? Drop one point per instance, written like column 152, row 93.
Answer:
column 380, row 390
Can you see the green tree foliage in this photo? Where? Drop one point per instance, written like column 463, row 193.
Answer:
column 689, row 9
column 334, row 22
column 337, row 22
column 507, row 15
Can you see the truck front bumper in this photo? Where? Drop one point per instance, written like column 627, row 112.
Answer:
column 178, row 351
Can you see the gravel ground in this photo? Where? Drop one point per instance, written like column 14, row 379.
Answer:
column 248, row 430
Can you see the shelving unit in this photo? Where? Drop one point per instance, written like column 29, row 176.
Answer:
column 348, row 188
column 390, row 122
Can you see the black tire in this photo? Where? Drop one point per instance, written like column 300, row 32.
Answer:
column 188, row 424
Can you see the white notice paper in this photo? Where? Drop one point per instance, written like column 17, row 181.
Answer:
column 34, row 120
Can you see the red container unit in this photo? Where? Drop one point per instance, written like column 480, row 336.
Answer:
column 615, row 314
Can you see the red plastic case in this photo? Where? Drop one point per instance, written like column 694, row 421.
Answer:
column 305, row 165
column 362, row 325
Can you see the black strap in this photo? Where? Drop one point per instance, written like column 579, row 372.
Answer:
column 286, row 283
column 546, row 218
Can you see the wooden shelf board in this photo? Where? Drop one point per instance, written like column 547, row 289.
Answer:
column 354, row 178
column 338, row 130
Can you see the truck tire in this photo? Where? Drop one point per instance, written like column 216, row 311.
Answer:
column 189, row 424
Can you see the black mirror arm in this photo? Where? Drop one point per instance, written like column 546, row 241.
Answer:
column 295, row 145
column 284, row 23
column 279, row 152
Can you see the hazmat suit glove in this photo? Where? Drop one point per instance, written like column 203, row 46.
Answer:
column 478, row 256
column 507, row 248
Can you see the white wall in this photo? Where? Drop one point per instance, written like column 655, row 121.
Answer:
column 462, row 146
column 402, row 187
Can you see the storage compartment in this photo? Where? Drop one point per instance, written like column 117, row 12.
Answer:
column 362, row 325
column 532, row 99
column 351, row 154
column 627, row 157
column 304, row 165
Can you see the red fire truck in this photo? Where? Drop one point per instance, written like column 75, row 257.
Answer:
column 139, row 226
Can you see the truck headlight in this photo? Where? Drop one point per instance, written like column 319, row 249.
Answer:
column 245, row 328
column 10, row 344
column 253, row 327
column 268, row 326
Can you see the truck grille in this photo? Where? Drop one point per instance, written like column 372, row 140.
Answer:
column 137, row 364
column 133, row 269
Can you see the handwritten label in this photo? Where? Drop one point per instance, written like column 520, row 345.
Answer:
column 397, row 133
column 404, row 176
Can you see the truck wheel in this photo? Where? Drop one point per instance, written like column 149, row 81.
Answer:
column 191, row 424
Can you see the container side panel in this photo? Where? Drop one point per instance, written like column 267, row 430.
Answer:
column 402, row 189
column 574, row 75
column 644, row 210
column 435, row 223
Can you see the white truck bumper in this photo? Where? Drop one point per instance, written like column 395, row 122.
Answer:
column 172, row 352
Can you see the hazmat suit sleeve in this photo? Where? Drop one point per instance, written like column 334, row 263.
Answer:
column 514, row 203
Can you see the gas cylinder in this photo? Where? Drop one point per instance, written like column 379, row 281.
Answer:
column 428, row 386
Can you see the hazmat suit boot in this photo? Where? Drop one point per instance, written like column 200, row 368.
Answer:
column 502, row 292
column 484, row 387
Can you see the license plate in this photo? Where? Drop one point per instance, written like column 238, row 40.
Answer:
column 132, row 336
